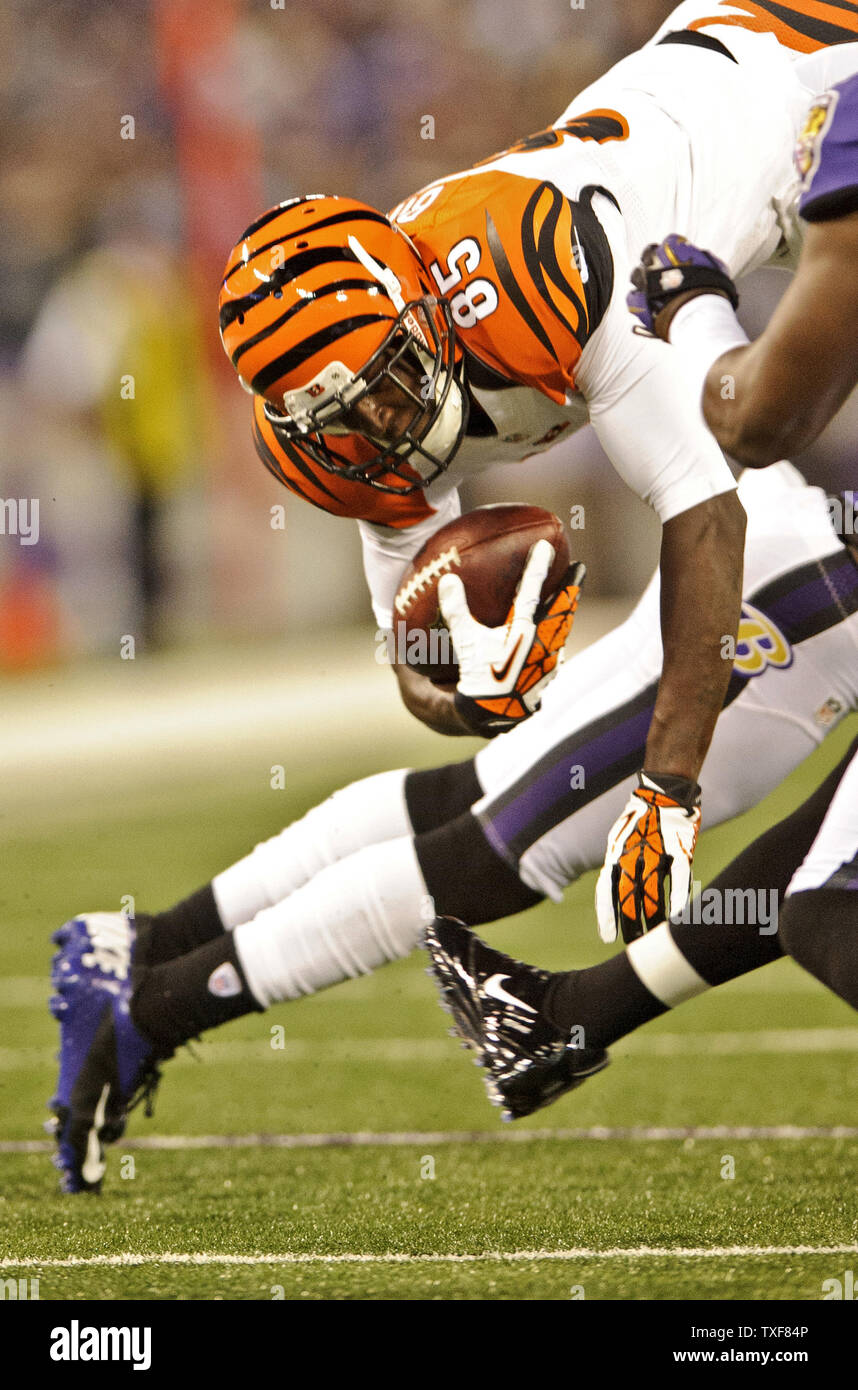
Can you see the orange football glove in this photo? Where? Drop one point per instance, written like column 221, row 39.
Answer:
column 653, row 840
column 504, row 670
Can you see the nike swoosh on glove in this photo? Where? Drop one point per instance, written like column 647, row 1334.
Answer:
column 652, row 840
column 670, row 268
column 504, row 670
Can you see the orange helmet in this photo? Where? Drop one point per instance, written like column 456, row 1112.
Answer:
column 321, row 298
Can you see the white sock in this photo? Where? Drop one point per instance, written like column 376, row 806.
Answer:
column 365, row 813
column 663, row 969
column 353, row 916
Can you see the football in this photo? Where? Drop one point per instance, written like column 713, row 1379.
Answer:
column 488, row 549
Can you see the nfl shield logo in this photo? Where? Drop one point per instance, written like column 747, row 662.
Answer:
column 224, row 981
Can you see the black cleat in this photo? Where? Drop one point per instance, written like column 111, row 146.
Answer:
column 496, row 1006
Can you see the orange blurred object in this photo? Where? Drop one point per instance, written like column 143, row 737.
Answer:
column 30, row 625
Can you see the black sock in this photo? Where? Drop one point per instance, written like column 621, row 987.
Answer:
column 179, row 999
column 466, row 878
column 166, row 935
column 723, row 951
column 437, row 795
column 819, row 929
column 606, row 1001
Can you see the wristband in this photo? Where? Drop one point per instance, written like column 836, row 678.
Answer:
column 682, row 790
column 703, row 330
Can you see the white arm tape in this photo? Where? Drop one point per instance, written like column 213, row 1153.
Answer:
column 702, row 330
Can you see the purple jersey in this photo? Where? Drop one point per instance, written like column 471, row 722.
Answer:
column 827, row 155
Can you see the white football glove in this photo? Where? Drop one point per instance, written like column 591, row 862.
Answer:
column 652, row 840
column 503, row 670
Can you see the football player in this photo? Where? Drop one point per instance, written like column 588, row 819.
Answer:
column 352, row 884
column 390, row 357
column 383, row 370
column 782, row 391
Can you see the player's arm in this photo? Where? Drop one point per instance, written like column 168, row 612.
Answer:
column 433, row 705
column 701, row 595
column 651, row 428
column 772, row 399
column 386, row 554
column 653, row 433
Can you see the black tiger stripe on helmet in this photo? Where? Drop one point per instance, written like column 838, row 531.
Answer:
column 320, row 296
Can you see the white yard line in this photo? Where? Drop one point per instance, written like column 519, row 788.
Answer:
column 429, row 1139
column 650, row 1252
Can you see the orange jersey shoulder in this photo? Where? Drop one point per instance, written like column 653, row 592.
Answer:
column 802, row 25
column 527, row 271
column 339, row 496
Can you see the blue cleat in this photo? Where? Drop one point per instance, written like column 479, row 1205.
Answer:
column 496, row 1004
column 106, row 1066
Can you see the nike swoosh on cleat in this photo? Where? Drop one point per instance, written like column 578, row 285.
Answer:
column 502, row 674
column 494, row 988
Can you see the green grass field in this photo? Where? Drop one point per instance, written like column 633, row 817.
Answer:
column 453, row 1204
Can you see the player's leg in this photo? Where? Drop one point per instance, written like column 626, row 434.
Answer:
column 679, row 960
column 306, row 876
column 819, row 919
column 539, row 1034
column 123, row 1008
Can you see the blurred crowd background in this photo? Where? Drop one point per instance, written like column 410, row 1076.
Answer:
column 138, row 138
